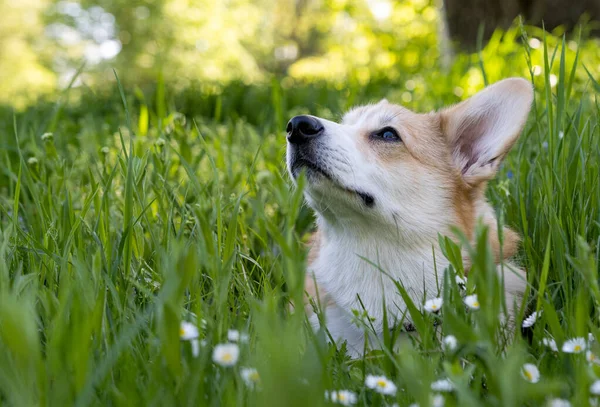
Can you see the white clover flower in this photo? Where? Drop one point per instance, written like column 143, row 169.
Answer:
column 32, row 161
column 433, row 305
column 226, row 354
column 530, row 320
column 595, row 388
column 442, row 385
column 188, row 331
column 530, row 372
column 575, row 345
column 591, row 357
column 551, row 343
column 558, row 403
column 449, row 343
column 250, row 376
column 105, row 150
column 160, row 142
column 472, row 302
column 380, row 384
column 343, row 397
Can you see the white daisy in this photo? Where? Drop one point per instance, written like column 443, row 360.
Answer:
column 188, row 331
column 551, row 343
column 343, row 397
column 472, row 301
column 575, row 345
column 438, row 401
column 449, row 343
column 530, row 372
column 380, row 384
column 226, row 354
column 442, row 385
column 558, row 403
column 460, row 281
column 530, row 320
column 591, row 357
column 595, row 388
column 235, row 336
column 250, row 376
column 433, row 305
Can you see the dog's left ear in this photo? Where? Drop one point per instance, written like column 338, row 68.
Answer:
column 482, row 129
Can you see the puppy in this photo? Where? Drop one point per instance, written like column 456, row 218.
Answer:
column 384, row 182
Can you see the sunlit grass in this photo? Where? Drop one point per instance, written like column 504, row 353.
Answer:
column 117, row 225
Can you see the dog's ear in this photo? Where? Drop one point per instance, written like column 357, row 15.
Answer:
column 482, row 129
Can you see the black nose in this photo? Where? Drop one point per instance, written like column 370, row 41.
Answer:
column 302, row 129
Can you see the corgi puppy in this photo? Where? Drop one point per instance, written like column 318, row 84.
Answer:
column 383, row 183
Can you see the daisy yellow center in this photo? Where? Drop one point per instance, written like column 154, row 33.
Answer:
column 528, row 375
column 381, row 383
column 434, row 306
column 341, row 397
column 181, row 331
column 227, row 357
column 254, row 376
column 476, row 304
column 592, row 357
column 577, row 348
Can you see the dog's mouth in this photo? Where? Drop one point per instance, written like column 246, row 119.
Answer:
column 314, row 169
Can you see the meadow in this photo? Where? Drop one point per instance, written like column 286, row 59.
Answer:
column 140, row 231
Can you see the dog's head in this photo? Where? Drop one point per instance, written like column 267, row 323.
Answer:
column 386, row 166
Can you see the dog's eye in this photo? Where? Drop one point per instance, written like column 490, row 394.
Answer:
column 387, row 134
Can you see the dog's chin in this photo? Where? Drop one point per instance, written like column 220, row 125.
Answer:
column 320, row 179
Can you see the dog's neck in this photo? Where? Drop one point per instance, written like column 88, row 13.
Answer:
column 362, row 263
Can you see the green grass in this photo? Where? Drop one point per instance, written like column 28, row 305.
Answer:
column 133, row 217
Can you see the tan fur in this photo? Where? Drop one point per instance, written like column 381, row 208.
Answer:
column 312, row 292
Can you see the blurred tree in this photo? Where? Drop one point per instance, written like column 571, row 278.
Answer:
column 22, row 66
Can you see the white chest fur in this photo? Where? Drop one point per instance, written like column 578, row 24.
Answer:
column 349, row 267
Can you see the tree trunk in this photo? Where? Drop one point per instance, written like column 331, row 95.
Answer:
column 465, row 16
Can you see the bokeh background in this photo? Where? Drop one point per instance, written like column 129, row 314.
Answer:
column 203, row 46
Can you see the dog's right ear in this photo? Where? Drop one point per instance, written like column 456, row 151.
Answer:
column 482, row 129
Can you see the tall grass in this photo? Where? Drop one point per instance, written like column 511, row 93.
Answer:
column 121, row 222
